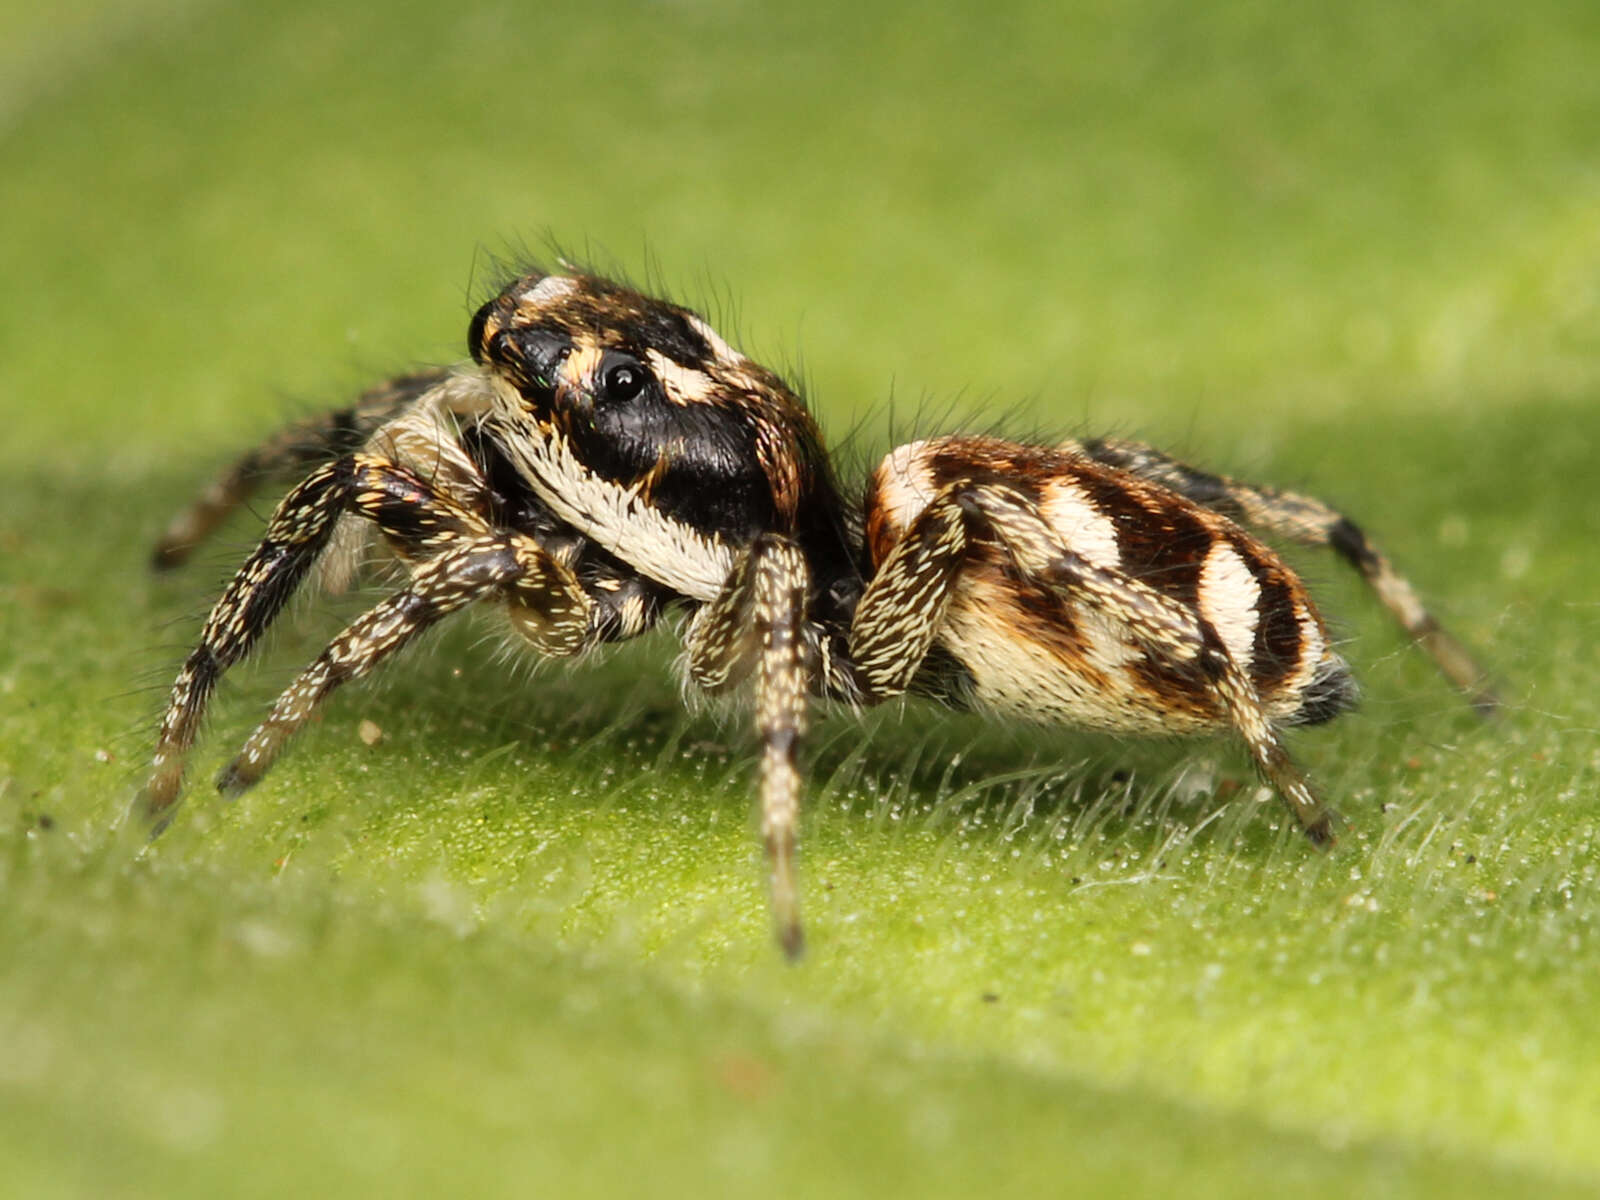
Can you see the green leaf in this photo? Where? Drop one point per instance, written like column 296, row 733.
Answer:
column 518, row 943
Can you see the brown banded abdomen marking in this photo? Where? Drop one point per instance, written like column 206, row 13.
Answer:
column 1034, row 655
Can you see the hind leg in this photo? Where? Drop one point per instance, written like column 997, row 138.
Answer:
column 1310, row 522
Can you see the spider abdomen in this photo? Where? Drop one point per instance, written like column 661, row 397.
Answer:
column 1033, row 650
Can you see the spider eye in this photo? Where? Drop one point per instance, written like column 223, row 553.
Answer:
column 533, row 354
column 480, row 320
column 623, row 379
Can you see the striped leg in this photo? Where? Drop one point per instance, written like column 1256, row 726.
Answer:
column 899, row 615
column 296, row 447
column 415, row 518
column 757, row 623
column 1310, row 522
column 468, row 570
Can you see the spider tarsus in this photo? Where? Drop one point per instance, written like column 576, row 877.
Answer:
column 1461, row 669
column 1482, row 697
column 235, row 779
column 792, row 938
column 1320, row 832
column 786, row 898
column 156, row 803
column 1324, row 828
column 154, row 816
column 169, row 554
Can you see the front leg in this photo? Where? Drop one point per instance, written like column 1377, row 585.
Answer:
column 417, row 520
column 509, row 564
column 757, row 624
column 1309, row 521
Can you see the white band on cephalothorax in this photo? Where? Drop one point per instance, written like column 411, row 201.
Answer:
column 615, row 515
column 551, row 287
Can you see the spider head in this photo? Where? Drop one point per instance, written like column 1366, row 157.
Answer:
column 645, row 396
column 580, row 342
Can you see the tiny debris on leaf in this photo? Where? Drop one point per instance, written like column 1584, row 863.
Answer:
column 744, row 1075
column 369, row 732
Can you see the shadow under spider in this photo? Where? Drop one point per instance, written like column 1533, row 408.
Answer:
column 913, row 764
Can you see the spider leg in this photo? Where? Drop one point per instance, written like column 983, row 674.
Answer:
column 756, row 623
column 899, row 616
column 471, row 568
column 1308, row 521
column 722, row 641
column 900, row 612
column 295, row 447
column 418, row 521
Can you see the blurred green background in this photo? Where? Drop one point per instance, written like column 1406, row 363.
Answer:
column 520, row 946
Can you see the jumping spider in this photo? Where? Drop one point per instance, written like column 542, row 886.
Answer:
column 607, row 458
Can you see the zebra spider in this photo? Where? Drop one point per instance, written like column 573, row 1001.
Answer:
column 607, row 458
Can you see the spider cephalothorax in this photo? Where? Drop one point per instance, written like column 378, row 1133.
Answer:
column 639, row 425
column 607, row 456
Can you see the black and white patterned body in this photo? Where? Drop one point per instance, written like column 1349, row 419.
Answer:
column 607, row 457
column 1028, row 650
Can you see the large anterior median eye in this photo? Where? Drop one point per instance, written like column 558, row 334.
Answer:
column 622, row 377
